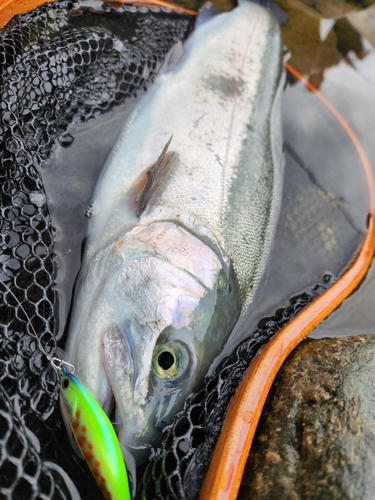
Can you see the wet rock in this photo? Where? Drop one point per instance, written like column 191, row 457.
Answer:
column 316, row 438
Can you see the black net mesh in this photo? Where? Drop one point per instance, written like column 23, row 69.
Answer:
column 177, row 469
column 59, row 64
column 23, row 472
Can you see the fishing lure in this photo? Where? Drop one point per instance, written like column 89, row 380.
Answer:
column 93, row 433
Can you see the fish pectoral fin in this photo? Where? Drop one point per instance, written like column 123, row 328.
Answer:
column 155, row 175
column 173, row 56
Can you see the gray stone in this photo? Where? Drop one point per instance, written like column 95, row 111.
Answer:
column 316, row 438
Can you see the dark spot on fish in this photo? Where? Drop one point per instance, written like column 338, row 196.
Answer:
column 84, row 428
column 223, row 85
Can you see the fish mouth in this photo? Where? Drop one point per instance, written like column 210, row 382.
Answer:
column 126, row 411
column 129, row 452
column 110, row 406
column 133, row 454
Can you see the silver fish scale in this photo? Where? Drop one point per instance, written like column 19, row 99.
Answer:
column 246, row 233
column 263, row 207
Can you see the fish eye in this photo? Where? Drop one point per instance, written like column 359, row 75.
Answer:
column 165, row 361
column 173, row 359
column 65, row 383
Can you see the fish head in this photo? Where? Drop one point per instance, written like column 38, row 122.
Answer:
column 162, row 312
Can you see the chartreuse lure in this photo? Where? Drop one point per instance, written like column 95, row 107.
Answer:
column 94, row 434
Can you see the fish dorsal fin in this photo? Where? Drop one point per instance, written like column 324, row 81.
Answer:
column 155, row 175
column 206, row 12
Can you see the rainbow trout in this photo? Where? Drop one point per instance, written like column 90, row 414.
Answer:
column 186, row 208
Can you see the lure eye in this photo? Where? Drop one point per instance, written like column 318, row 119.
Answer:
column 65, row 383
